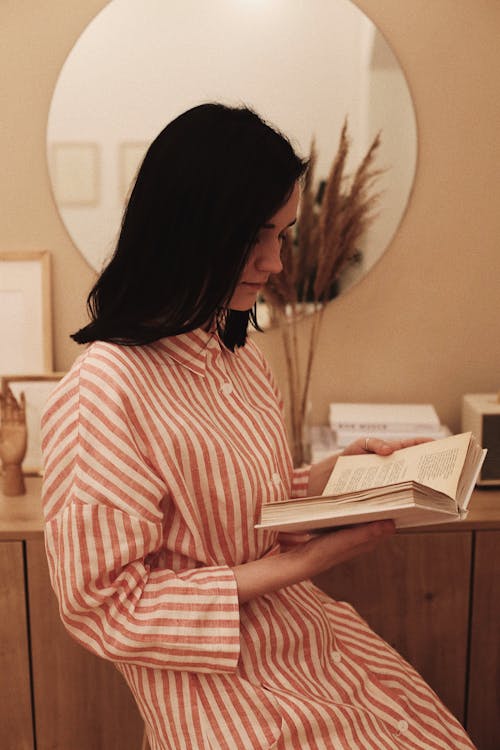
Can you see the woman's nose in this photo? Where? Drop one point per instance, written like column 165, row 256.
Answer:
column 269, row 259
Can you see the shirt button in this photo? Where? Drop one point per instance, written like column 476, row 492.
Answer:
column 337, row 657
column 276, row 479
column 403, row 725
column 227, row 388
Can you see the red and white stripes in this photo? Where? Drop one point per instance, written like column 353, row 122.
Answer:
column 157, row 460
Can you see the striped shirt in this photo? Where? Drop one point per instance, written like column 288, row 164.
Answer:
column 157, row 461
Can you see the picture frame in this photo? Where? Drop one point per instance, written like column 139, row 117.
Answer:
column 75, row 173
column 130, row 158
column 25, row 312
column 36, row 389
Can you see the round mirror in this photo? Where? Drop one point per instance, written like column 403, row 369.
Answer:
column 304, row 66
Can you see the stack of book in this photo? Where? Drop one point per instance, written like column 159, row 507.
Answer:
column 349, row 422
column 322, row 443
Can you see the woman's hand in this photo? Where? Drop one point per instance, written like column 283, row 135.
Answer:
column 322, row 551
column 320, row 472
column 290, row 539
column 379, row 446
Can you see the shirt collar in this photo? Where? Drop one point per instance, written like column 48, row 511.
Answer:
column 190, row 349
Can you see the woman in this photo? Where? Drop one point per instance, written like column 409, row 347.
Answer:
column 161, row 444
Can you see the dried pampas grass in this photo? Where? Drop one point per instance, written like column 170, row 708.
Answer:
column 325, row 242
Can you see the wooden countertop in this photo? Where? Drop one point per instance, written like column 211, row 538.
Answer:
column 21, row 517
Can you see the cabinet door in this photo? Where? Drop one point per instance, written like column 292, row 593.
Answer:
column 16, row 728
column 483, row 717
column 81, row 701
column 414, row 592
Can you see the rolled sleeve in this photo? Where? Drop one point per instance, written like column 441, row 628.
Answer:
column 104, row 527
column 300, row 481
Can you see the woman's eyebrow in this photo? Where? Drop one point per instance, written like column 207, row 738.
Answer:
column 273, row 226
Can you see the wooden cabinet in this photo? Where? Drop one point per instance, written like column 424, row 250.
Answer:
column 16, row 730
column 54, row 695
column 434, row 595
column 483, row 695
column 81, row 702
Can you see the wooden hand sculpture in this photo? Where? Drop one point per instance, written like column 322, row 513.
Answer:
column 13, row 442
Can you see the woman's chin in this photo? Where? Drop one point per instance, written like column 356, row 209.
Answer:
column 241, row 308
column 243, row 299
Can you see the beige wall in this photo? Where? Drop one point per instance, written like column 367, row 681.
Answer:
column 424, row 325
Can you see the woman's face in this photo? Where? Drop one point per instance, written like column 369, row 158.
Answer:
column 265, row 256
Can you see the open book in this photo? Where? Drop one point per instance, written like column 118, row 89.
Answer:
column 425, row 484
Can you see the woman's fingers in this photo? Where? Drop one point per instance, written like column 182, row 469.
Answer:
column 287, row 540
column 331, row 548
column 380, row 446
column 295, row 537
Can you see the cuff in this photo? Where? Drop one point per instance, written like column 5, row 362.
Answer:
column 300, row 481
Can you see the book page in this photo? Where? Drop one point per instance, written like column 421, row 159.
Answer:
column 437, row 464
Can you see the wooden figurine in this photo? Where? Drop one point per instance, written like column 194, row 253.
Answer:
column 13, row 442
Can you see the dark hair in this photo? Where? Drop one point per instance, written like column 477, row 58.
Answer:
column 208, row 183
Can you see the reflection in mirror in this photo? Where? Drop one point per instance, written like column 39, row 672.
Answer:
column 303, row 66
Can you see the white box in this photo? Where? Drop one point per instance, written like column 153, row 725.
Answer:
column 481, row 415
